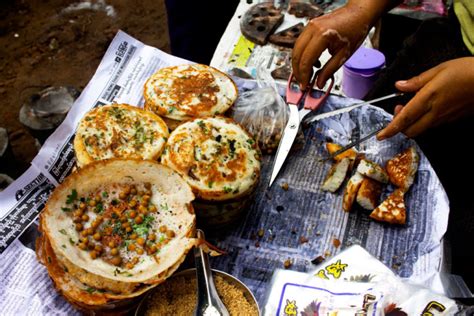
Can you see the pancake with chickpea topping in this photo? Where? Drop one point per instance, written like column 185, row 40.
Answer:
column 121, row 224
column 216, row 156
column 184, row 92
column 119, row 131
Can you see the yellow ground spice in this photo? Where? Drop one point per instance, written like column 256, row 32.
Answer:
column 177, row 297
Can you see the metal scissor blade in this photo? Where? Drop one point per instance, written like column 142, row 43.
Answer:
column 352, row 107
column 287, row 139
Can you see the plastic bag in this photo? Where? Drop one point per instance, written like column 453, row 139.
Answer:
column 262, row 111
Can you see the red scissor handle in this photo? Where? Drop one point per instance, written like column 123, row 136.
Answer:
column 311, row 103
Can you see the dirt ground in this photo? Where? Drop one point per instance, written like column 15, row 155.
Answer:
column 56, row 43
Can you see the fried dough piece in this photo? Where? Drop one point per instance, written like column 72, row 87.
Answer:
column 392, row 210
column 369, row 194
column 288, row 36
column 402, row 168
column 336, row 175
column 333, row 147
column 260, row 21
column 372, row 170
column 350, row 193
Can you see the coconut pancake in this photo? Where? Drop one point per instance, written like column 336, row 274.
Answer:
column 119, row 131
column 216, row 156
column 187, row 91
column 118, row 224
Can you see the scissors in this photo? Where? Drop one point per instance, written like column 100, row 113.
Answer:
column 293, row 99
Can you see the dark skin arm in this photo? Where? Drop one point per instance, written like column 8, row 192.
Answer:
column 341, row 32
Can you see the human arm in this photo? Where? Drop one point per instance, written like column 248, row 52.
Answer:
column 341, row 32
column 444, row 94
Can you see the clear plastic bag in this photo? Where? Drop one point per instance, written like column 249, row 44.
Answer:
column 262, row 111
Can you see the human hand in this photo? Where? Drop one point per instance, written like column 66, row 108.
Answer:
column 443, row 94
column 340, row 31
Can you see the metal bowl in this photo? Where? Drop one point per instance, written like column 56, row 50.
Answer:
column 192, row 273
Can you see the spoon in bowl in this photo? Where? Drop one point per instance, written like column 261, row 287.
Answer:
column 208, row 301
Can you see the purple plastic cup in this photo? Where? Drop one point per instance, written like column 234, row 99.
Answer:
column 360, row 72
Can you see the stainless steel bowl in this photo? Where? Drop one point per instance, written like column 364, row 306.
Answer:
column 192, row 272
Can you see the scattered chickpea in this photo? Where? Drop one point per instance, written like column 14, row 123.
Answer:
column 152, row 237
column 85, row 240
column 95, row 224
column 92, row 203
column 97, row 198
column 152, row 208
column 163, row 229
column 111, row 244
column 114, row 251
column 77, row 219
column 133, row 236
column 78, row 213
column 84, row 233
column 122, row 195
column 85, row 217
column 125, row 225
column 133, row 214
column 170, row 234
column 142, row 209
column 128, row 229
column 133, row 190
column 82, row 206
column 97, row 236
column 152, row 249
column 116, row 261
column 98, row 248
column 93, row 254
column 90, row 231
column 146, row 198
column 79, row 227
column 132, row 203
column 123, row 218
column 140, row 251
column 147, row 185
column 91, row 246
column 135, row 260
column 126, row 190
column 141, row 241
column 131, row 247
column 82, row 246
column 129, row 265
column 139, row 219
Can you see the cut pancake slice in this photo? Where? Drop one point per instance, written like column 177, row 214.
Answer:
column 372, row 170
column 119, row 131
column 336, row 175
column 350, row 192
column 369, row 194
column 392, row 210
column 402, row 168
column 119, row 225
column 333, row 147
column 287, row 37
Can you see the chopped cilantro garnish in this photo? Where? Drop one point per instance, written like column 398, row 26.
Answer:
column 71, row 197
column 171, row 109
column 71, row 241
column 250, row 141
column 105, row 194
column 63, row 231
column 227, row 189
column 99, row 208
column 115, row 202
column 65, row 209
column 90, row 290
column 164, row 207
column 202, row 125
column 210, row 184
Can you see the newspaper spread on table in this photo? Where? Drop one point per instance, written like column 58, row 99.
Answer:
column 413, row 251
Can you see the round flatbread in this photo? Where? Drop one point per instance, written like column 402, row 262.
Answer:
column 216, row 156
column 118, row 224
column 119, row 131
column 188, row 91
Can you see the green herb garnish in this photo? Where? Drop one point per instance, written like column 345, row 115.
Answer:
column 71, row 197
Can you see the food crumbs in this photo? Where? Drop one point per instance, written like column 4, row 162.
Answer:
column 317, row 260
column 260, row 233
column 285, row 186
column 287, row 264
column 303, row 240
column 336, row 242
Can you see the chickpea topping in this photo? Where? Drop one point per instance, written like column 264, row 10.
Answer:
column 126, row 190
column 152, row 208
column 79, row 227
column 133, row 214
column 116, row 261
column 95, row 224
column 114, row 251
column 111, row 244
column 146, row 198
column 123, row 218
column 93, row 254
column 92, row 203
column 84, row 233
column 141, row 241
column 142, row 209
column 147, row 185
column 128, row 229
column 135, row 260
column 139, row 219
column 170, row 234
column 140, row 251
column 82, row 205
column 90, row 231
column 133, row 236
column 85, row 240
column 152, row 237
column 108, row 230
column 132, row 203
column 97, row 198
column 129, row 265
column 97, row 236
column 122, row 195
column 163, row 229
column 82, row 246
column 133, row 190
column 90, row 246
column 77, row 219
column 131, row 247
column 152, row 249
column 78, row 213
column 98, row 248
column 85, row 217
column 125, row 225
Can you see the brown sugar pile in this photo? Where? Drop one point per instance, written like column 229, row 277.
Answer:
column 177, row 296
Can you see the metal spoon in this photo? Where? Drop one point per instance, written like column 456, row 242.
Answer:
column 208, row 301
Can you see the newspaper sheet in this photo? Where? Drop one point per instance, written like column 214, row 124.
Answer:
column 413, row 252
